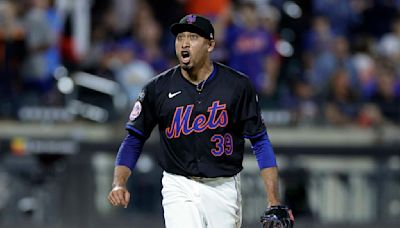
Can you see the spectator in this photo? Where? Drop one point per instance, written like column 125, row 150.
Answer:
column 341, row 14
column 125, row 10
column 148, row 33
column 132, row 74
column 389, row 44
column 342, row 102
column 303, row 104
column 42, row 33
column 317, row 42
column 251, row 49
column 326, row 63
column 319, row 39
column 386, row 96
column 144, row 41
column 364, row 64
column 12, row 52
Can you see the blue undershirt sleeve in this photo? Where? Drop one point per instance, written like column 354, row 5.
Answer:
column 263, row 150
column 129, row 151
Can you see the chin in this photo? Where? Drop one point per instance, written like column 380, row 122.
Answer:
column 186, row 67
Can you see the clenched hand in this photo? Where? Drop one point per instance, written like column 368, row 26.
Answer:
column 119, row 196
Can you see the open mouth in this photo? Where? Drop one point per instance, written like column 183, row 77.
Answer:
column 185, row 56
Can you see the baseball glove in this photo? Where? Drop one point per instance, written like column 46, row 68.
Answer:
column 277, row 217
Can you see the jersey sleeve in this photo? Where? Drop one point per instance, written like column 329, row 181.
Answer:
column 250, row 112
column 142, row 118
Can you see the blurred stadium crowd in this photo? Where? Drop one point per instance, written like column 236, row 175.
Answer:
column 327, row 62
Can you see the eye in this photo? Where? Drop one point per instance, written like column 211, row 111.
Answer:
column 194, row 36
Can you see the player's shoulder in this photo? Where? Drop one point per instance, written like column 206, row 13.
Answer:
column 233, row 75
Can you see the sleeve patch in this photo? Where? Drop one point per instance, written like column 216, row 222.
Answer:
column 136, row 110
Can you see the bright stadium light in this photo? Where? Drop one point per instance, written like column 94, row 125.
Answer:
column 292, row 9
column 284, row 48
column 65, row 85
column 60, row 72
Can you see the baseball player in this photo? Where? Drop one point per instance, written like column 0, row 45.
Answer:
column 204, row 111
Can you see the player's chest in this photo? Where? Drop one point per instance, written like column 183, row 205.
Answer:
column 194, row 103
column 185, row 105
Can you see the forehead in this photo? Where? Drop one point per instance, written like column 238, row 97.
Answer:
column 186, row 33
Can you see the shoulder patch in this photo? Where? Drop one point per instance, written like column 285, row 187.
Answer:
column 136, row 110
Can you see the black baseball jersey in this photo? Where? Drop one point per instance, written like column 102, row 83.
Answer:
column 202, row 128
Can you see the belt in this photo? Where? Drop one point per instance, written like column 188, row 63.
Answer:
column 205, row 179
column 197, row 178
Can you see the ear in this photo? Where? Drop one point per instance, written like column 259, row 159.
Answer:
column 211, row 45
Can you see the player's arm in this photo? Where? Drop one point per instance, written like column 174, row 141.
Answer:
column 119, row 195
column 270, row 178
column 265, row 156
column 125, row 162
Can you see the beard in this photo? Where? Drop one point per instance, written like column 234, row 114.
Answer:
column 186, row 67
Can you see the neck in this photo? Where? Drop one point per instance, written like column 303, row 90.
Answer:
column 198, row 74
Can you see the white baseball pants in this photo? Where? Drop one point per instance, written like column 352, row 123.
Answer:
column 201, row 203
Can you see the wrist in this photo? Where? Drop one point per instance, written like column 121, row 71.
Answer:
column 118, row 185
column 273, row 203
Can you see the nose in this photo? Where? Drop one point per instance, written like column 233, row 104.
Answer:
column 185, row 42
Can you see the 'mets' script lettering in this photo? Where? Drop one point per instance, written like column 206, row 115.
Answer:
column 180, row 123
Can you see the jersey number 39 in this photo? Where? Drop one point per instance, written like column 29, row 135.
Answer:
column 223, row 144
